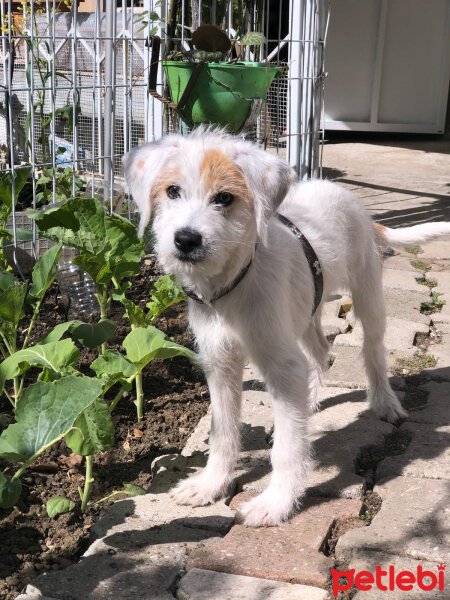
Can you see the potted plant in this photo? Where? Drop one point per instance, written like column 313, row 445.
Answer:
column 208, row 85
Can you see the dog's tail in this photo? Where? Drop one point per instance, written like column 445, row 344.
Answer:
column 410, row 236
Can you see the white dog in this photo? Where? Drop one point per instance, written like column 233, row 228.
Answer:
column 255, row 286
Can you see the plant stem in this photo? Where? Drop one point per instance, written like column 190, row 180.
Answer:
column 9, row 397
column 5, row 341
column 139, row 397
column 118, row 396
column 33, row 319
column 87, row 483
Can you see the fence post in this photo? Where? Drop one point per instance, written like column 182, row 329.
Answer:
column 108, row 145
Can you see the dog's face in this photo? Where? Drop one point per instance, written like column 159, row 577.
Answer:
column 211, row 195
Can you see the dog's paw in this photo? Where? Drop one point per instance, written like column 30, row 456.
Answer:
column 199, row 490
column 389, row 409
column 266, row 510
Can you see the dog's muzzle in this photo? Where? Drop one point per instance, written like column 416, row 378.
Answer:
column 189, row 244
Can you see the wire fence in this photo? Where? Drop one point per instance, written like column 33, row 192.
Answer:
column 74, row 94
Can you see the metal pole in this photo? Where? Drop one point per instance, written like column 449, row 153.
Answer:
column 108, row 100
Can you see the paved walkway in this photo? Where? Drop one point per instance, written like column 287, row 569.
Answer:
column 148, row 548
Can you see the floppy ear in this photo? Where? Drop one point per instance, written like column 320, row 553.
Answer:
column 141, row 166
column 269, row 179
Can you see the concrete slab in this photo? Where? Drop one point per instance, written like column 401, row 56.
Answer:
column 404, row 280
column 437, row 409
column 405, row 304
column 413, row 522
column 200, row 584
column 427, row 456
column 400, row 334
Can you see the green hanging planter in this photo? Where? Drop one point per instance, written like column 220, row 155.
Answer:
column 225, row 94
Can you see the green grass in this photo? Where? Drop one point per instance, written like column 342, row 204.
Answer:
column 420, row 266
column 434, row 305
column 431, row 283
column 413, row 249
column 417, row 364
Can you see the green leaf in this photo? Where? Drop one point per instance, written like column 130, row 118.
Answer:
column 10, row 490
column 6, row 180
column 94, row 335
column 145, row 344
column 7, row 279
column 11, row 303
column 253, row 38
column 133, row 490
column 59, row 505
column 58, row 357
column 56, row 333
column 93, row 430
column 44, row 271
column 134, row 313
column 167, row 292
column 46, row 413
column 114, row 366
column 22, row 235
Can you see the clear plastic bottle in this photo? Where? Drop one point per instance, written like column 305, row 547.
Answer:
column 77, row 287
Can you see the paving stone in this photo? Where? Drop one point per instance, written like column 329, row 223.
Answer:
column 413, row 522
column 400, row 334
column 169, row 469
column 201, row 584
column 400, row 263
column 198, row 440
column 405, row 304
column 370, row 562
column 32, row 593
column 438, row 249
column 404, row 280
column 437, row 409
column 427, row 456
column 289, row 553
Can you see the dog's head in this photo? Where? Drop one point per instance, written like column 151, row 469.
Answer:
column 212, row 194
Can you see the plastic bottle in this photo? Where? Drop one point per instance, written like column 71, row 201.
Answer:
column 77, row 287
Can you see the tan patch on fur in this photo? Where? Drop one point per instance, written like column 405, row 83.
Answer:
column 219, row 174
column 171, row 177
column 140, row 164
column 380, row 229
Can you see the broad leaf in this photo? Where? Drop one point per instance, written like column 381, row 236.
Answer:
column 10, row 490
column 93, row 335
column 46, row 413
column 167, row 292
column 59, row 505
column 11, row 303
column 7, row 279
column 134, row 314
column 58, row 357
column 253, row 38
column 6, row 196
column 93, row 430
column 55, row 334
column 22, row 235
column 132, row 490
column 145, row 344
column 114, row 366
column 44, row 271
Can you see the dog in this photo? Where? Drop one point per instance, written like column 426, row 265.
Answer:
column 256, row 294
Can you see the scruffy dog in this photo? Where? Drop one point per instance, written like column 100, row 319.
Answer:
column 215, row 198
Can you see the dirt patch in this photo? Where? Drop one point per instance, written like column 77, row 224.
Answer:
column 176, row 397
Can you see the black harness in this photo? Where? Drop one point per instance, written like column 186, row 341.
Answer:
column 311, row 257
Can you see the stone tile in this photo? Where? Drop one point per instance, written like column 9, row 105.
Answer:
column 404, row 280
column 400, row 334
column 198, row 440
column 437, row 409
column 405, row 304
column 200, row 584
column 438, row 249
column 289, row 553
column 370, row 562
column 400, row 263
column 169, row 469
column 427, row 456
column 413, row 522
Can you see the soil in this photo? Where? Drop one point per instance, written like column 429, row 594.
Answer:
column 176, row 397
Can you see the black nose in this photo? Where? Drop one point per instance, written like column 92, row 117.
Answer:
column 187, row 240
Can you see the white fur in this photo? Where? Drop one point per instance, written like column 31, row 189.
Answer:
column 267, row 317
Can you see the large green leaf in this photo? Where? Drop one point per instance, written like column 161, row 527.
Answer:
column 145, row 344
column 93, row 430
column 11, row 303
column 113, row 366
column 93, row 335
column 167, row 292
column 58, row 357
column 44, row 271
column 6, row 196
column 56, row 333
column 46, row 413
column 59, row 505
column 10, row 490
column 7, row 279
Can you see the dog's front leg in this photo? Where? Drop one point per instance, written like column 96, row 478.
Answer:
column 285, row 370
column 223, row 362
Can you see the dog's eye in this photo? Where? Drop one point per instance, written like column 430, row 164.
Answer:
column 173, row 191
column 223, row 199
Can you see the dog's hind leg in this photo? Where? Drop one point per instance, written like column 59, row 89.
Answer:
column 368, row 300
column 223, row 362
column 285, row 371
column 316, row 347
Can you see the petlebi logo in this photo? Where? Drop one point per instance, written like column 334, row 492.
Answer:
column 389, row 580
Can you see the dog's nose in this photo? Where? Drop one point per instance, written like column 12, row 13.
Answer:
column 187, row 240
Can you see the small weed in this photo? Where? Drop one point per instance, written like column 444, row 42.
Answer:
column 431, row 283
column 433, row 305
column 413, row 249
column 420, row 266
column 415, row 365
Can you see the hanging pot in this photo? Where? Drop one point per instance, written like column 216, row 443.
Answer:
column 226, row 94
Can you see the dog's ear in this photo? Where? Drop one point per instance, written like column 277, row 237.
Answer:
column 269, row 178
column 141, row 166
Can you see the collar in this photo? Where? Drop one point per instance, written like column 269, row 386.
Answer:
column 311, row 256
